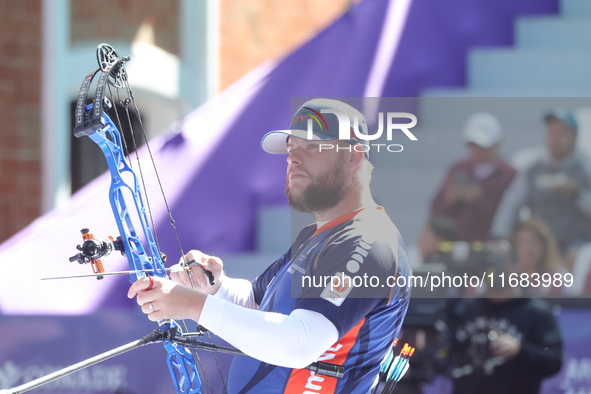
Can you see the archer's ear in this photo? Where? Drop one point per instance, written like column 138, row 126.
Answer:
column 356, row 157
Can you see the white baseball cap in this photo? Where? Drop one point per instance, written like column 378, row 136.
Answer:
column 324, row 128
column 483, row 129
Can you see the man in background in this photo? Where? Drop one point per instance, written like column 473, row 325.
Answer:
column 554, row 185
column 473, row 187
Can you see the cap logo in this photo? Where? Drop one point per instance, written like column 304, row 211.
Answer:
column 315, row 115
column 344, row 122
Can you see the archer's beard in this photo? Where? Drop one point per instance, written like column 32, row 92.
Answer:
column 323, row 192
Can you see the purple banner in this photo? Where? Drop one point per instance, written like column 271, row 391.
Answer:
column 575, row 375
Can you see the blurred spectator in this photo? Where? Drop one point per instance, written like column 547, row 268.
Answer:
column 555, row 185
column 504, row 343
column 537, row 252
column 473, row 187
column 438, row 229
column 582, row 271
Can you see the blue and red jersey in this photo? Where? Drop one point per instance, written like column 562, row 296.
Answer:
column 367, row 309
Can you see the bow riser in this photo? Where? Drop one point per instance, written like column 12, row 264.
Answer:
column 109, row 140
column 180, row 361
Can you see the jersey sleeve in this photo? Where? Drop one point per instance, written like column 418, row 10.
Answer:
column 260, row 284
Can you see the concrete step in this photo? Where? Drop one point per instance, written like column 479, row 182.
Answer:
column 553, row 32
column 507, row 92
column 529, row 69
column 575, row 7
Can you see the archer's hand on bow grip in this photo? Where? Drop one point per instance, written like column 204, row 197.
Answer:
column 202, row 271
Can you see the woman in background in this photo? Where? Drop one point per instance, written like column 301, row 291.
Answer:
column 538, row 252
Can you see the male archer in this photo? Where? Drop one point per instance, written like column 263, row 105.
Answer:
column 283, row 320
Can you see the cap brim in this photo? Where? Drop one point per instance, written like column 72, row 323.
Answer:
column 483, row 140
column 565, row 120
column 482, row 144
column 276, row 141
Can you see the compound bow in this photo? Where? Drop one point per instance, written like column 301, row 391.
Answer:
column 92, row 120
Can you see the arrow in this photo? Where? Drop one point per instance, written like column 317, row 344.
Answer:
column 109, row 273
column 175, row 268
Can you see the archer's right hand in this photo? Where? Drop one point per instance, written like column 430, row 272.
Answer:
column 195, row 277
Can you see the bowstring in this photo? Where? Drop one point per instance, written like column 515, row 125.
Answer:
column 125, row 148
column 172, row 221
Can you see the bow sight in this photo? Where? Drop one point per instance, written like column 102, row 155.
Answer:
column 93, row 249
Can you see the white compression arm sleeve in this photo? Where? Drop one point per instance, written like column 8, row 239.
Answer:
column 292, row 341
column 237, row 291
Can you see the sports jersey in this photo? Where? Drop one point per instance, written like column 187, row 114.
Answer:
column 362, row 244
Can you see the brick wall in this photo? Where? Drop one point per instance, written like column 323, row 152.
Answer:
column 105, row 20
column 253, row 31
column 20, row 97
column 20, row 85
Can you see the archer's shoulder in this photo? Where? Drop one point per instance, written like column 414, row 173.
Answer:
column 373, row 230
column 373, row 224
